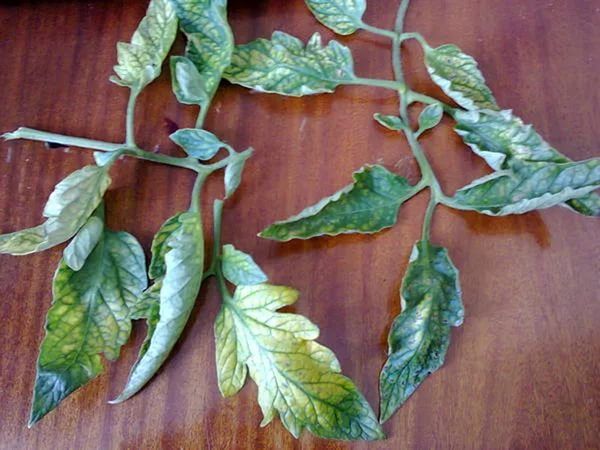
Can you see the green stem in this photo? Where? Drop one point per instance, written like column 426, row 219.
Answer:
column 417, row 36
column 378, row 31
column 216, row 256
column 54, row 138
column 195, row 200
column 130, row 118
column 428, row 218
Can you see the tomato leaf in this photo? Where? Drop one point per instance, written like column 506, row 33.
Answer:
column 342, row 16
column 239, row 267
column 297, row 378
column 368, row 205
column 420, row 335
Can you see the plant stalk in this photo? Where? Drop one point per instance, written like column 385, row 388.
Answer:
column 130, row 118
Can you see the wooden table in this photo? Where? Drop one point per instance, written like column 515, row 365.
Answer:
column 523, row 371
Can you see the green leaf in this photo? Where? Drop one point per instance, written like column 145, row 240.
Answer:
column 459, row 77
column 198, row 143
column 297, row 378
column 430, row 117
column 209, row 48
column 140, row 61
column 67, row 210
column 393, row 123
column 183, row 251
column 83, row 243
column 240, row 268
column 234, row 170
column 500, row 137
column 420, row 335
column 526, row 186
column 368, row 205
column 283, row 65
column 159, row 247
column 90, row 314
column 342, row 16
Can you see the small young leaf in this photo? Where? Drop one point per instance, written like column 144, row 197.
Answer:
column 90, row 314
column 198, row 143
column 283, row 65
column 393, row 123
column 526, row 186
column 368, row 205
column 458, row 76
column 140, row 61
column 430, row 117
column 233, row 172
column 419, row 337
column 187, row 82
column 342, row 16
column 78, row 250
column 296, row 377
column 183, row 251
column 240, row 268
column 103, row 158
column 209, row 48
column 67, row 210
column 500, row 137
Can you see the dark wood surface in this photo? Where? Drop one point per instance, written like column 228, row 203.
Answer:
column 522, row 372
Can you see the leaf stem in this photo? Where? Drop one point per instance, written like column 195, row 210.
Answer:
column 377, row 30
column 216, row 253
column 195, row 200
column 130, row 118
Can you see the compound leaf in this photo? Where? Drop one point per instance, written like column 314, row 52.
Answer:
column 209, row 49
column 67, row 210
column 526, row 186
column 297, row 378
column 420, row 335
column 198, row 143
column 459, row 77
column 183, row 251
column 140, row 61
column 500, row 137
column 283, row 65
column 90, row 314
column 368, row 205
column 342, row 16
column 239, row 267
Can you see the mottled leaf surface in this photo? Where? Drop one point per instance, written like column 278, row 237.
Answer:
column 526, row 186
column 368, row 205
column 140, row 60
column 239, row 267
column 183, row 251
column 342, row 16
column 67, row 210
column 198, row 143
column 284, row 65
column 297, row 378
column 209, row 48
column 90, row 315
column 459, row 77
column 500, row 137
column 420, row 335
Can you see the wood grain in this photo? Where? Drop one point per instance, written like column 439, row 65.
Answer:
column 522, row 373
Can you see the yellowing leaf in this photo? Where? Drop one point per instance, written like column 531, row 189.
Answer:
column 67, row 210
column 297, row 378
column 90, row 314
column 140, row 61
column 342, row 16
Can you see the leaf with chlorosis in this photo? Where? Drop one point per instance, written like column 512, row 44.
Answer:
column 68, row 208
column 297, row 378
column 284, row 65
column 527, row 186
column 208, row 52
column 430, row 117
column 459, row 77
column 198, row 143
column 368, row 205
column 140, row 60
column 420, row 335
column 183, row 252
column 90, row 315
column 239, row 267
column 342, row 16
column 500, row 137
